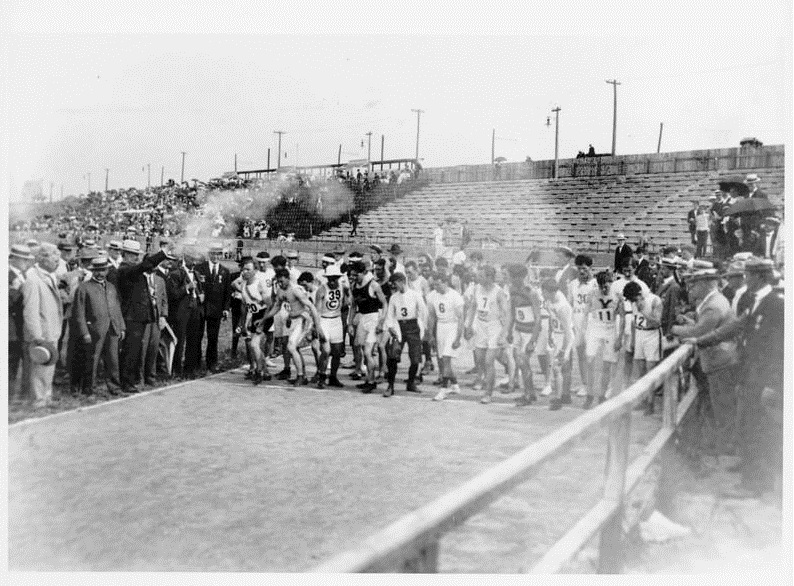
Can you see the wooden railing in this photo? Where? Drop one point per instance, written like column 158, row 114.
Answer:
column 411, row 544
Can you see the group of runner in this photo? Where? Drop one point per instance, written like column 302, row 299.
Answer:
column 506, row 314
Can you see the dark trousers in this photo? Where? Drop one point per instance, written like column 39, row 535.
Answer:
column 237, row 313
column 151, row 351
column 702, row 243
column 409, row 330
column 14, row 362
column 136, row 343
column 213, row 327
column 191, row 342
column 77, row 357
column 106, row 349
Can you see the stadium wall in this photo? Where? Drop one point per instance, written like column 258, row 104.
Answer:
column 674, row 162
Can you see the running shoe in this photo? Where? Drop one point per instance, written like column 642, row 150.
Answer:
column 335, row 382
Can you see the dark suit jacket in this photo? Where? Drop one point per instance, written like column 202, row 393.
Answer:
column 180, row 302
column 670, row 293
column 217, row 292
column 690, row 220
column 760, row 336
column 133, row 288
column 622, row 254
column 16, row 320
column 759, row 194
column 96, row 310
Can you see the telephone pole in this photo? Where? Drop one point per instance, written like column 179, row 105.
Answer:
column 89, row 182
column 148, row 175
column 279, row 132
column 556, row 141
column 235, row 163
column 369, row 151
column 418, row 115
column 107, row 175
column 182, row 177
column 659, row 145
column 493, row 145
column 615, row 83
column 162, row 175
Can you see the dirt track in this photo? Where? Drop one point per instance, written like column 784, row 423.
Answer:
column 220, row 475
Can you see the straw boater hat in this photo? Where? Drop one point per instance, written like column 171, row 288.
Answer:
column 31, row 242
column 87, row 253
column 114, row 245
column 132, row 246
column 292, row 254
column 376, row 248
column 621, row 236
column 759, row 265
column 44, row 353
column 21, row 251
column 263, row 255
column 63, row 245
column 329, row 259
column 704, row 275
column 735, row 269
column 216, row 248
column 752, row 178
column 99, row 262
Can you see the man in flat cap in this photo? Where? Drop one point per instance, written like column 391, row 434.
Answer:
column 759, row 424
column 20, row 260
column 217, row 283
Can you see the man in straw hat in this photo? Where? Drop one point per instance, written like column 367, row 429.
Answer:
column 717, row 362
column 753, row 182
column 98, row 325
column 43, row 317
column 20, row 259
column 759, row 423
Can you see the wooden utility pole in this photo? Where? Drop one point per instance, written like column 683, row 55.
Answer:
column 268, row 159
column 182, row 179
column 89, row 182
column 369, row 151
column 659, row 145
column 493, row 146
column 418, row 115
column 382, row 140
column 162, row 175
column 148, row 176
column 279, row 132
column 615, row 83
column 235, row 163
column 556, row 142
column 339, row 156
column 107, row 175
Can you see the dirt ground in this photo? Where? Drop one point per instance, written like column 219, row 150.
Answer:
column 217, row 474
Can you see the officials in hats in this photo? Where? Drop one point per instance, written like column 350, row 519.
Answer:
column 141, row 308
column 734, row 278
column 765, row 245
column 157, row 290
column 397, row 258
column 669, row 292
column 718, row 361
column 42, row 323
column 97, row 324
column 217, row 283
column 758, row 330
column 623, row 253
column 67, row 254
column 20, row 260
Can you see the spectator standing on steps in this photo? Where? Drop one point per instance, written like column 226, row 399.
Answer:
column 690, row 220
column 623, row 253
column 701, row 231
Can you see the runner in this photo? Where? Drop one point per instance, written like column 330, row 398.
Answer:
column 366, row 317
column 329, row 300
column 646, row 331
column 445, row 322
column 296, row 324
column 406, row 319
column 560, row 341
column 580, row 291
column 487, row 322
column 257, row 300
column 602, row 340
column 525, row 303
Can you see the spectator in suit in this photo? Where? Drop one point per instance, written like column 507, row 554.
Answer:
column 735, row 280
column 72, row 349
column 67, row 254
column 43, row 320
column 186, row 316
column 99, row 325
column 114, row 260
column 690, row 220
column 161, row 273
column 623, row 253
column 701, row 231
column 140, row 310
column 151, row 352
column 217, row 300
column 717, row 361
column 20, row 260
column 719, row 237
column 765, row 245
column 753, row 182
column 759, row 423
column 670, row 293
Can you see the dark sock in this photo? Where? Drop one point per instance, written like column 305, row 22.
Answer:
column 412, row 370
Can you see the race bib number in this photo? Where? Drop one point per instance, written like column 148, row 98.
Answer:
column 404, row 312
column 524, row 315
column 554, row 324
column 605, row 315
column 333, row 299
column 441, row 308
column 482, row 308
column 640, row 321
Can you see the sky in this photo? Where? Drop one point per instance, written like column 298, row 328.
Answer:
column 127, row 94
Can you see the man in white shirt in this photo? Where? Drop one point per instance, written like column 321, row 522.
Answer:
column 580, row 291
column 438, row 240
column 406, row 320
column 445, row 308
column 646, row 339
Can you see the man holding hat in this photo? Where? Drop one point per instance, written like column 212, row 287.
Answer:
column 623, row 253
column 98, row 324
column 717, row 362
column 140, row 309
column 217, row 300
column 43, row 320
column 20, row 259
column 759, row 423
column 67, row 254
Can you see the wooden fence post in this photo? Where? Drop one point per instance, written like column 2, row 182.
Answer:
column 610, row 550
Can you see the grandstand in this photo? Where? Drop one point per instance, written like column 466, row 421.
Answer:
column 584, row 212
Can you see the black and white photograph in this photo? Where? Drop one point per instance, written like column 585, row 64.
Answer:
column 449, row 289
